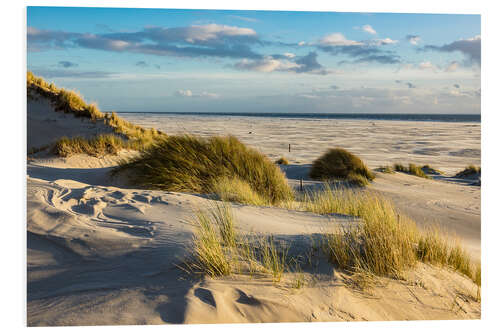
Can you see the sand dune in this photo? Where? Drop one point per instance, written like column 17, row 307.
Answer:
column 45, row 126
column 99, row 253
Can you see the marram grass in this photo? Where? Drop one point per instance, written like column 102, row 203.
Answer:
column 202, row 165
column 72, row 102
column 339, row 164
column 469, row 171
column 411, row 169
column 219, row 249
column 386, row 243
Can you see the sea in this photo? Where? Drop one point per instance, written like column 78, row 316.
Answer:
column 352, row 116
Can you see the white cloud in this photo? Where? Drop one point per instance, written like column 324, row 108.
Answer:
column 337, row 39
column 189, row 93
column 289, row 55
column 302, row 43
column 265, row 65
column 368, row 28
column 385, row 41
column 184, row 93
column 213, row 31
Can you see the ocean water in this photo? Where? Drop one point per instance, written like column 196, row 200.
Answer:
column 353, row 116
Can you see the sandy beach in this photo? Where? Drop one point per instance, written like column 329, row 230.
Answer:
column 199, row 166
column 101, row 252
column 447, row 146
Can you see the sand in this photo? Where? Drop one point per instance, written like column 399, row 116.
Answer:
column 103, row 253
column 99, row 254
column 448, row 202
column 447, row 146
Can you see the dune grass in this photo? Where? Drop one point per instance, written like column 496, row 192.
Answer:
column 237, row 190
column 339, row 164
column 219, row 249
column 282, row 161
column 411, row 169
column 200, row 165
column 469, row 171
column 106, row 144
column 387, row 242
column 386, row 169
column 72, row 102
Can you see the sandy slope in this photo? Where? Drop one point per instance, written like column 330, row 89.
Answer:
column 101, row 253
column 45, row 125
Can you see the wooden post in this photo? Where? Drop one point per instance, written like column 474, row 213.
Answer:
column 301, row 186
column 289, row 147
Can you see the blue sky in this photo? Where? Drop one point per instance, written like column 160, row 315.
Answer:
column 259, row 61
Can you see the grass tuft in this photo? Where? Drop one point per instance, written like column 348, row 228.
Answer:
column 469, row 171
column 190, row 163
column 211, row 257
column 105, row 144
column 339, row 164
column 282, row 161
column 412, row 169
column 386, row 169
column 220, row 250
column 386, row 243
column 237, row 190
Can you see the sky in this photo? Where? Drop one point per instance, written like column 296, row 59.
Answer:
column 163, row 60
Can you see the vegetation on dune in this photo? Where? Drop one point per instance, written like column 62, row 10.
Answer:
column 412, row 169
column 387, row 242
column 469, row 171
column 72, row 102
column 219, row 249
column 101, row 145
column 384, row 244
column 202, row 165
column 339, row 164
column 386, row 169
column 282, row 161
column 237, row 190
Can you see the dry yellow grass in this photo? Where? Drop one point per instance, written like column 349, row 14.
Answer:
column 339, row 164
column 195, row 164
column 128, row 136
column 219, row 249
column 387, row 242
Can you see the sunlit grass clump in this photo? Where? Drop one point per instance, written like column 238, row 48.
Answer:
column 411, row 169
column 385, row 242
column 208, row 165
column 219, row 249
column 339, row 164
column 282, row 161
column 237, row 190
column 98, row 146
